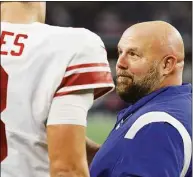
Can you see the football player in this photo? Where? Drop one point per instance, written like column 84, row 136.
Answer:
column 50, row 77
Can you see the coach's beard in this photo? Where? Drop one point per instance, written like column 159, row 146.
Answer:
column 133, row 90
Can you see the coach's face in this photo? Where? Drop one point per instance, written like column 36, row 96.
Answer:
column 137, row 68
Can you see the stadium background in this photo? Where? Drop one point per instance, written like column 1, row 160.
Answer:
column 109, row 20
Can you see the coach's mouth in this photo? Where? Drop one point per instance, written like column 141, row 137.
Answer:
column 122, row 79
column 123, row 76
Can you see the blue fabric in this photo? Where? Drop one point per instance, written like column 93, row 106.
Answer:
column 157, row 149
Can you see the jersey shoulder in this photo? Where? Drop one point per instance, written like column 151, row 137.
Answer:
column 79, row 44
column 56, row 37
column 70, row 35
column 83, row 61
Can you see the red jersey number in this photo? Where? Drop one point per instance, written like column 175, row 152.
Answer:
column 4, row 79
column 3, row 141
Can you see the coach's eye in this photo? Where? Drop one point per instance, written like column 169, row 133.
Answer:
column 133, row 54
column 119, row 52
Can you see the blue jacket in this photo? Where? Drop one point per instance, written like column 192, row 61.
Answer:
column 151, row 138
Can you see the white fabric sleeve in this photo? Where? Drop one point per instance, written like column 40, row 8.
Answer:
column 88, row 69
column 70, row 109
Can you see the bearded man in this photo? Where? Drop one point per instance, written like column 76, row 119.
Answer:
column 152, row 137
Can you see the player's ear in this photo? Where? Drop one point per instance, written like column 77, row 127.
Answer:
column 168, row 64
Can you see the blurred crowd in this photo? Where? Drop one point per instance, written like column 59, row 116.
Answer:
column 110, row 19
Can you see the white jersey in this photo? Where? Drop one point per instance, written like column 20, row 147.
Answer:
column 39, row 63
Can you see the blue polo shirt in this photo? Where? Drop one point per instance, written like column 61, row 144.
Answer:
column 151, row 138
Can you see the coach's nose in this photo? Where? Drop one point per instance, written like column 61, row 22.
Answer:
column 122, row 62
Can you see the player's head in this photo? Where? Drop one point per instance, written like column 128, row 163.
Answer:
column 23, row 12
column 151, row 56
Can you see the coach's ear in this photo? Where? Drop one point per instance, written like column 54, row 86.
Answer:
column 168, row 64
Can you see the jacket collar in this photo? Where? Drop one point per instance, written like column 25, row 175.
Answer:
column 167, row 91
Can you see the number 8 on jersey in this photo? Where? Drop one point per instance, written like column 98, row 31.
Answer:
column 4, row 82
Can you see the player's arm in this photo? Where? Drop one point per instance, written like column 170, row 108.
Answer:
column 67, row 135
column 88, row 69
column 91, row 149
column 67, row 151
column 154, row 146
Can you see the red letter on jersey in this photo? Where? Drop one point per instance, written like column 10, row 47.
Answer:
column 17, row 43
column 3, row 35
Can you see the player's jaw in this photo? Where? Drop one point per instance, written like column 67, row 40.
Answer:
column 132, row 88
